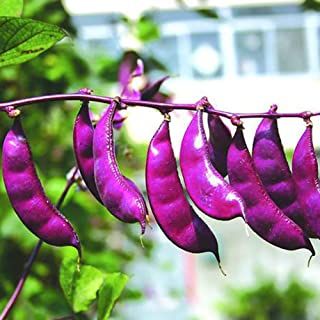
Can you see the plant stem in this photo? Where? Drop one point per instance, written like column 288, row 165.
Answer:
column 27, row 268
column 149, row 104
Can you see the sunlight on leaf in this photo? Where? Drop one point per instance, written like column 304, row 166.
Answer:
column 80, row 284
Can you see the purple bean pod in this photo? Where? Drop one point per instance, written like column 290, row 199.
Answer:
column 27, row 196
column 219, row 141
column 272, row 167
column 262, row 214
column 119, row 194
column 82, row 144
column 173, row 213
column 305, row 175
column 206, row 187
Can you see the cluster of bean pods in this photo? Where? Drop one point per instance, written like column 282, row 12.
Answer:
column 281, row 206
column 96, row 160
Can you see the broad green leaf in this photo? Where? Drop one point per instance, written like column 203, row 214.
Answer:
column 80, row 284
column 11, row 8
column 110, row 293
column 24, row 39
column 87, row 285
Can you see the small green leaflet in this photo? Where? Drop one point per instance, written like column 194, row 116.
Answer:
column 79, row 284
column 12, row 8
column 23, row 39
column 146, row 29
column 109, row 293
column 82, row 285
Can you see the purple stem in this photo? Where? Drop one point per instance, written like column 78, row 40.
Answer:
column 27, row 268
column 150, row 104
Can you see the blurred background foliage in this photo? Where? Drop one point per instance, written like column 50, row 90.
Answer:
column 267, row 299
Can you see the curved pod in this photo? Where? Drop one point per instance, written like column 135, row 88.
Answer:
column 170, row 207
column 219, row 141
column 262, row 215
column 27, row 196
column 119, row 194
column 206, row 187
column 305, row 175
column 273, row 169
column 83, row 149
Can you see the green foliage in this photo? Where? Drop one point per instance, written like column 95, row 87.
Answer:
column 266, row 300
column 146, row 30
column 311, row 5
column 289, row 155
column 11, row 8
column 109, row 293
column 24, row 39
column 82, row 283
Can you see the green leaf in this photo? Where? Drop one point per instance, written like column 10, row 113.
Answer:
column 146, row 29
column 110, row 293
column 11, row 8
column 311, row 5
column 207, row 13
column 80, row 285
column 24, row 39
column 87, row 285
column 68, row 275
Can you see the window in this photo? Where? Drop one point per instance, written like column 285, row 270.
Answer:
column 165, row 50
column 291, row 50
column 250, row 51
column 259, row 10
column 206, row 60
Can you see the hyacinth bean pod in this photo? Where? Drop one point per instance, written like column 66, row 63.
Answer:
column 27, row 196
column 206, row 187
column 219, row 142
column 119, row 194
column 83, row 150
column 273, row 169
column 168, row 202
column 262, row 214
column 305, row 175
